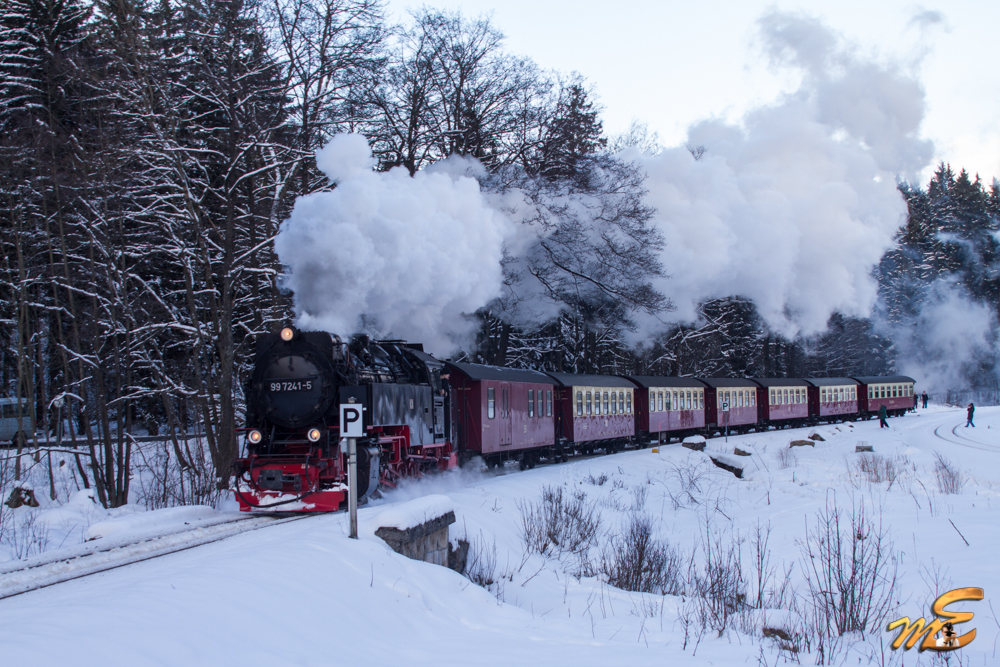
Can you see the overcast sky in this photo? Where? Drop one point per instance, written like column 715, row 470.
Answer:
column 672, row 63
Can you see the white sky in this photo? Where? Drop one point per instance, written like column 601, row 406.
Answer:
column 672, row 63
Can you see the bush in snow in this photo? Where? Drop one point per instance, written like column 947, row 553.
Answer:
column 875, row 468
column 184, row 478
column 720, row 586
column 637, row 561
column 481, row 567
column 786, row 458
column 949, row 478
column 559, row 523
column 850, row 567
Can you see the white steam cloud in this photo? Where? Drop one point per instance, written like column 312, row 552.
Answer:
column 952, row 332
column 796, row 205
column 415, row 254
column 791, row 208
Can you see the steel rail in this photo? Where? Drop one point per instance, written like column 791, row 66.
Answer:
column 51, row 569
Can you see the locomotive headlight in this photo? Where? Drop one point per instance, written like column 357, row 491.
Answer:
column 255, row 436
column 287, row 334
column 313, row 434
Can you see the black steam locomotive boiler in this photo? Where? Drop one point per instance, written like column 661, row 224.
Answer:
column 295, row 458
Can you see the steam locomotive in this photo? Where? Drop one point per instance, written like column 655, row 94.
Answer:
column 421, row 414
column 295, row 459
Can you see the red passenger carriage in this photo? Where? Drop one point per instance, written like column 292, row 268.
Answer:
column 668, row 407
column 594, row 411
column 503, row 414
column 740, row 395
column 895, row 392
column 833, row 399
column 783, row 402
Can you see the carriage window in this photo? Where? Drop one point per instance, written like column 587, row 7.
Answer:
column 491, row 403
column 621, row 401
column 628, row 403
column 739, row 398
column 540, row 406
column 614, row 403
column 590, row 403
column 675, row 404
column 548, row 403
column 772, row 397
column 659, row 401
column 852, row 394
column 597, row 401
column 531, row 402
column 753, row 398
column 579, row 404
column 822, row 395
column 605, row 402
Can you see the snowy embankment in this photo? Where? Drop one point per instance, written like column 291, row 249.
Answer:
column 303, row 593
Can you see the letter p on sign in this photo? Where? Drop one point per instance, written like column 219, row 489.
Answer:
column 351, row 424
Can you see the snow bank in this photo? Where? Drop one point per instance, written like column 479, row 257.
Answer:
column 412, row 513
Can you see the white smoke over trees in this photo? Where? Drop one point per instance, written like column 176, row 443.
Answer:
column 417, row 254
column 778, row 221
column 793, row 207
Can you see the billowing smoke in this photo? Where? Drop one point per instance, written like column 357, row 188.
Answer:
column 411, row 255
column 793, row 207
column 943, row 346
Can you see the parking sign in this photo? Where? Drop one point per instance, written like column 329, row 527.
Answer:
column 351, row 424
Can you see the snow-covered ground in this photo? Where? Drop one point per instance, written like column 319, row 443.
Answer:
column 303, row 593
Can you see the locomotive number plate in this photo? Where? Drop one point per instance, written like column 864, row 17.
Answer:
column 290, row 385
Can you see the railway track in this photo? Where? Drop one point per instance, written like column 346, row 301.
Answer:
column 970, row 443
column 44, row 570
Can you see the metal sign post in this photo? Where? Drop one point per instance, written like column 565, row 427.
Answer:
column 352, row 427
column 352, row 483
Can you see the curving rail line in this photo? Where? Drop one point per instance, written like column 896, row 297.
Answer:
column 976, row 444
column 65, row 565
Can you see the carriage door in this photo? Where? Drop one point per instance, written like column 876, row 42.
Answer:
column 506, row 427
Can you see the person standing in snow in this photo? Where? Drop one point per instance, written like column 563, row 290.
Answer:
column 883, row 415
column 915, row 398
column 970, row 410
column 923, row 397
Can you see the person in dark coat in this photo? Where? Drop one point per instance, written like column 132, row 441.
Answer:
column 883, row 415
column 971, row 410
column 915, row 399
column 923, row 397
